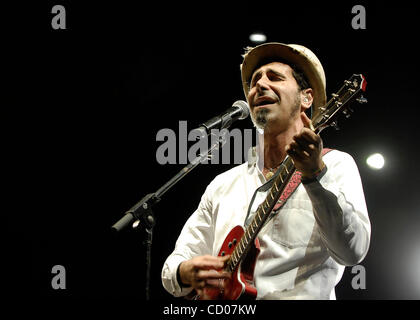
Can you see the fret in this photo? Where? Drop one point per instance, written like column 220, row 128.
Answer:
column 271, row 194
column 257, row 216
column 245, row 245
column 232, row 258
column 229, row 264
column 291, row 167
column 262, row 208
column 256, row 225
column 242, row 245
column 285, row 168
column 249, row 237
column 281, row 178
column 275, row 184
column 251, row 226
column 237, row 254
column 239, row 251
column 268, row 206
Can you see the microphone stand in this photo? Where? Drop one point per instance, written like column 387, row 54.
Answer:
column 141, row 214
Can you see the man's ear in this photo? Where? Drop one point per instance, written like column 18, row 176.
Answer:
column 306, row 99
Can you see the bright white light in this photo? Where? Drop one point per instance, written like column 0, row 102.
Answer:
column 257, row 37
column 413, row 266
column 376, row 161
column 136, row 224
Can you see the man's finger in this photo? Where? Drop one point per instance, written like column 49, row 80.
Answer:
column 306, row 121
column 215, row 283
column 224, row 259
column 210, row 262
column 294, row 154
column 216, row 259
column 303, row 144
column 308, row 135
column 212, row 274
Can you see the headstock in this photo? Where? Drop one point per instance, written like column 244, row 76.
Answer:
column 341, row 102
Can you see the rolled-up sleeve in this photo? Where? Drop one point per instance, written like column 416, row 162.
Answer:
column 340, row 210
column 196, row 239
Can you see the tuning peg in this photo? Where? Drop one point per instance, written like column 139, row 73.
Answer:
column 361, row 100
column 347, row 112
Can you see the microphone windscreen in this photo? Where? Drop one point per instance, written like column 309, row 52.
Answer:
column 244, row 108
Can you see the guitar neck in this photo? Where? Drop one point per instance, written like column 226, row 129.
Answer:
column 262, row 213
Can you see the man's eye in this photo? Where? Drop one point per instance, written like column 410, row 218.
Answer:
column 277, row 78
column 253, row 82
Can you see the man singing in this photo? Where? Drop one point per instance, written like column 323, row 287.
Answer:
column 322, row 227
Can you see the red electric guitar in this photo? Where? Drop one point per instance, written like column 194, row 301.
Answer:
column 242, row 245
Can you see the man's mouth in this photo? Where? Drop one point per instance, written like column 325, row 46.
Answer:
column 263, row 101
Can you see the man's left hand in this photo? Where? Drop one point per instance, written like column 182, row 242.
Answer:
column 306, row 150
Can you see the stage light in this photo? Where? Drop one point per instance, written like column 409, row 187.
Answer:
column 375, row 161
column 414, row 266
column 257, row 37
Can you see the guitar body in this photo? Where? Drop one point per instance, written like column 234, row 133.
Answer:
column 241, row 284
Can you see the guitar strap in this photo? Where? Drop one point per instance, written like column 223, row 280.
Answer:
column 293, row 183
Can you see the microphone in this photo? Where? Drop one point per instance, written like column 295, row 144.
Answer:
column 239, row 110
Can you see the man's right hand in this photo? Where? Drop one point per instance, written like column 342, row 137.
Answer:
column 203, row 271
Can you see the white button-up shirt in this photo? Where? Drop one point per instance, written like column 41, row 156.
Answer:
column 322, row 227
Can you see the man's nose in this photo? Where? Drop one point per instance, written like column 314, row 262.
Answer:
column 262, row 84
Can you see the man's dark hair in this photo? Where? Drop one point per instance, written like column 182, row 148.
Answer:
column 300, row 77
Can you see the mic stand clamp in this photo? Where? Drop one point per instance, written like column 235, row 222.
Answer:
column 142, row 211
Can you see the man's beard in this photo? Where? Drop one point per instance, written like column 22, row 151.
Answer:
column 260, row 120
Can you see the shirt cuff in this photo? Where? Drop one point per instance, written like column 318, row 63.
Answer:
column 178, row 279
column 316, row 178
column 170, row 277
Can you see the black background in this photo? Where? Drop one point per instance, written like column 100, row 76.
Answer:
column 90, row 99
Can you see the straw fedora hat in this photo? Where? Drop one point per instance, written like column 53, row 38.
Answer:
column 296, row 54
